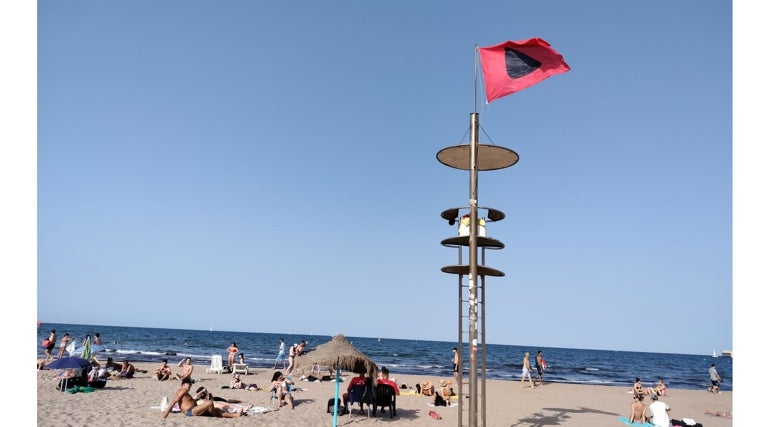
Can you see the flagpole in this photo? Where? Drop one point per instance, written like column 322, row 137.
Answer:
column 494, row 62
column 475, row 82
column 473, row 279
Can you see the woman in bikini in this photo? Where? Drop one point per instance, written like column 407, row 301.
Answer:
column 659, row 389
column 280, row 385
column 638, row 390
column 638, row 411
column 231, row 353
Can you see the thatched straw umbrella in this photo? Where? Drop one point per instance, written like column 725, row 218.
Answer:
column 339, row 354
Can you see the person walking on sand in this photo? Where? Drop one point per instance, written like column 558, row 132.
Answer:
column 540, row 363
column 280, row 355
column 715, row 379
column 50, row 345
column 526, row 371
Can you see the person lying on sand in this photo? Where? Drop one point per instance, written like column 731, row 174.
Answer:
column 191, row 408
column 724, row 414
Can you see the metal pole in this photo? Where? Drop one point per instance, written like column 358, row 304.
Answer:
column 459, row 344
column 483, row 340
column 473, row 277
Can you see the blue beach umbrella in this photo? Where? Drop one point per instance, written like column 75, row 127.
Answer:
column 68, row 363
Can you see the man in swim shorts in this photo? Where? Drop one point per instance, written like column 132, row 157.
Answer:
column 526, row 368
column 190, row 406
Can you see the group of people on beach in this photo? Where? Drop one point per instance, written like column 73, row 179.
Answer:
column 50, row 342
column 657, row 412
column 202, row 404
column 527, row 368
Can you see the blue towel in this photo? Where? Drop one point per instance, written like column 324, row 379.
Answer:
column 624, row 420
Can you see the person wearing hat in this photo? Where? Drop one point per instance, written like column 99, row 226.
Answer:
column 426, row 389
column 658, row 412
column 446, row 390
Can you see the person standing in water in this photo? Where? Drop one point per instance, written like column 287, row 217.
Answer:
column 280, row 355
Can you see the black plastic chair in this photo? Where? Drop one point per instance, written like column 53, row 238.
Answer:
column 385, row 396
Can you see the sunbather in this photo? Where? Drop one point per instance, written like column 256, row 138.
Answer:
column 190, row 407
column 164, row 372
column 280, row 386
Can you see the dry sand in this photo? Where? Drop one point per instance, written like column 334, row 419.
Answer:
column 133, row 403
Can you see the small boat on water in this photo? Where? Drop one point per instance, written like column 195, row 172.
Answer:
column 714, row 353
column 727, row 353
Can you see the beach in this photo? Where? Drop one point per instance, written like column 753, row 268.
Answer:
column 134, row 402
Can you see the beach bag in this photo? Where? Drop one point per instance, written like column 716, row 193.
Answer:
column 331, row 406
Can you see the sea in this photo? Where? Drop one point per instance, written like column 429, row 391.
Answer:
column 413, row 357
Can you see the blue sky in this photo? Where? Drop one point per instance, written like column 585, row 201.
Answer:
column 272, row 167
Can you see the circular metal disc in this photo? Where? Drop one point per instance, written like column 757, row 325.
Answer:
column 490, row 157
column 465, row 269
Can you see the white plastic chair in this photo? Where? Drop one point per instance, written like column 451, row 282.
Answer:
column 240, row 367
column 216, row 364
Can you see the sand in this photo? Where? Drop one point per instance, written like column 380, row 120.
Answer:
column 134, row 402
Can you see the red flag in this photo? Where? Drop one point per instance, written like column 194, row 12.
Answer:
column 513, row 66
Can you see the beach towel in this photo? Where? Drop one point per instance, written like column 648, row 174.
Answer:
column 80, row 389
column 175, row 408
column 259, row 410
column 432, row 405
column 625, row 421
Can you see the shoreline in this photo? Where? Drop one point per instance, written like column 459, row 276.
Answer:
column 132, row 402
